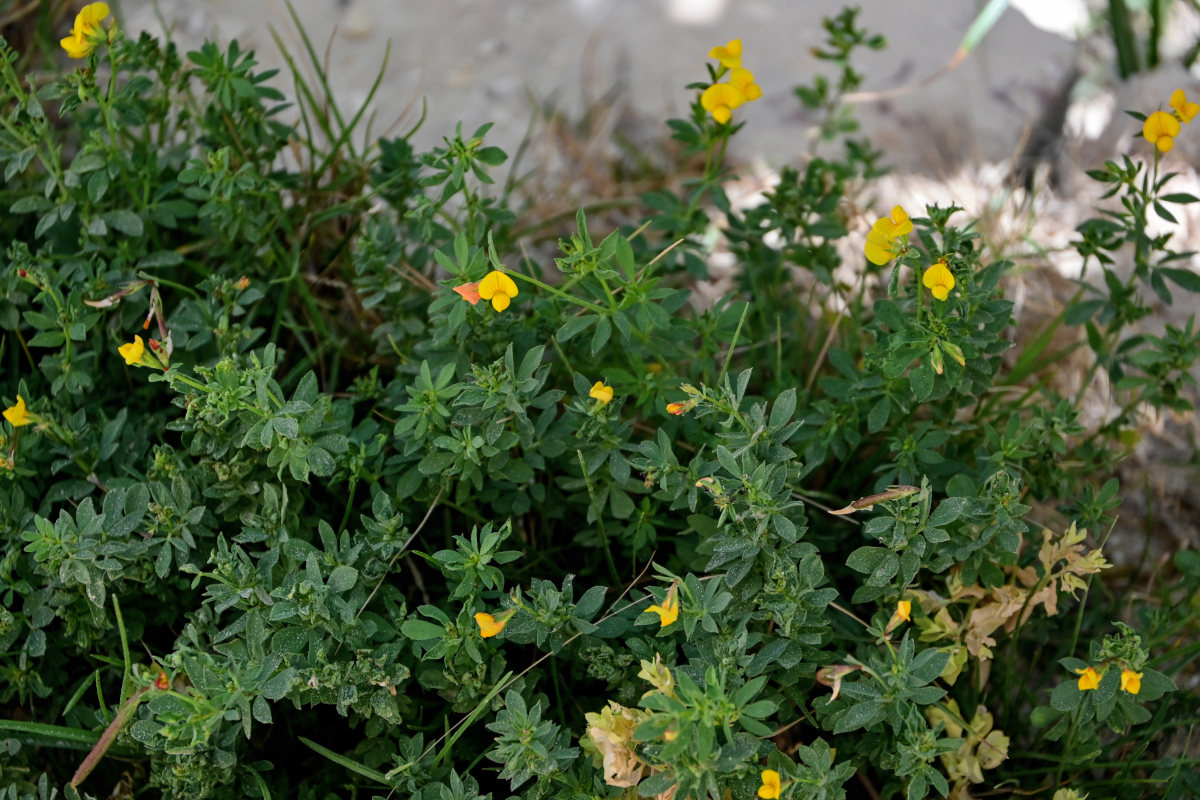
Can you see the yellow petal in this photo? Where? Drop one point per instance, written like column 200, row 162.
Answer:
column 507, row 285
column 741, row 77
column 904, row 610
column 489, row 286
column 17, row 415
column 132, row 352
column 91, row 14
column 1158, row 126
column 1185, row 110
column 601, row 392
column 488, row 625
column 903, row 225
column 770, row 785
column 878, row 248
column 1131, row 681
column 76, row 46
column 939, row 280
column 500, row 301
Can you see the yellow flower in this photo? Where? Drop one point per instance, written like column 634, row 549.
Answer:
column 668, row 612
column 1132, row 681
column 1160, row 130
column 17, row 415
column 730, row 55
column 743, row 81
column 1088, row 679
column 87, row 25
column 489, row 626
column 601, row 392
column 678, row 409
column 770, row 785
column 720, row 99
column 1184, row 110
column 133, row 352
column 499, row 288
column 904, row 610
column 884, row 241
column 939, row 280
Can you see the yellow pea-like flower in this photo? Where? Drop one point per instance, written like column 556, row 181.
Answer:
column 601, row 392
column 939, row 280
column 1131, row 681
column 499, row 288
column 1160, row 130
column 730, row 55
column 1088, row 679
column 17, row 415
column 79, row 44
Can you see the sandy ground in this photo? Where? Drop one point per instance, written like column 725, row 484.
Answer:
column 490, row 60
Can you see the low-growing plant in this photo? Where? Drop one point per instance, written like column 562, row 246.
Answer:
column 314, row 482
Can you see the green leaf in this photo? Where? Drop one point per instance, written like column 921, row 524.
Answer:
column 1184, row 278
column 421, row 631
column 353, row 766
column 866, row 559
column 920, row 380
column 862, row 715
column 342, row 578
column 877, row 417
column 575, row 325
column 124, row 220
column 277, row 687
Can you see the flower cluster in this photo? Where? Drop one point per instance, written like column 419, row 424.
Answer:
column 888, row 237
column 1090, row 679
column 86, row 31
column 1161, row 128
column 495, row 286
column 721, row 99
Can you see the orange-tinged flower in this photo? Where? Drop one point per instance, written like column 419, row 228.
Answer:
column 499, row 288
column 668, row 612
column 79, row 44
column 730, row 55
column 133, row 352
column 1184, row 110
column 489, row 626
column 601, row 392
column 1088, row 679
column 1160, row 130
column 743, row 81
column 770, row 785
column 161, row 682
column 884, row 242
column 939, row 280
column 17, row 415
column 720, row 99
column 678, row 409
column 1132, row 681
column 469, row 292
